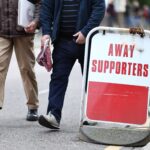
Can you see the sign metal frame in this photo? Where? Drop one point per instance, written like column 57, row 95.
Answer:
column 89, row 126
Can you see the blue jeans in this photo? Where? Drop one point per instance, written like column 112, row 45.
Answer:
column 65, row 53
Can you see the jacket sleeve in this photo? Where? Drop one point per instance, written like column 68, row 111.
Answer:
column 97, row 14
column 46, row 16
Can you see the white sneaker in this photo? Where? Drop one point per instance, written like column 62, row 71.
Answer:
column 49, row 121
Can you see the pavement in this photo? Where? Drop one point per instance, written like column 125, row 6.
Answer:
column 18, row 134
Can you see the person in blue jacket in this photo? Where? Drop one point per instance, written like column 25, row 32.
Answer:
column 66, row 24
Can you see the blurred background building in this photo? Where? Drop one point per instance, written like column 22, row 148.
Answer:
column 127, row 13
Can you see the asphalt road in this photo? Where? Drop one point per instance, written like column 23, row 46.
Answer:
column 18, row 134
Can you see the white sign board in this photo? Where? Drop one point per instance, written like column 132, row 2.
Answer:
column 117, row 77
column 119, row 59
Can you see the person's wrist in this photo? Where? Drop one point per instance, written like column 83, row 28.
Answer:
column 46, row 36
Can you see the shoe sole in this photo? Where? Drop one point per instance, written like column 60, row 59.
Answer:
column 42, row 121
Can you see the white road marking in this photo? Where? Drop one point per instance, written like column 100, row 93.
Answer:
column 43, row 91
column 113, row 148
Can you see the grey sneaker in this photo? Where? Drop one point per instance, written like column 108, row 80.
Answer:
column 49, row 121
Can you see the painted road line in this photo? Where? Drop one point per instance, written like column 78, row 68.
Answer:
column 43, row 91
column 113, row 148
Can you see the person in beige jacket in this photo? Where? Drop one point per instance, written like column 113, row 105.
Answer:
column 19, row 39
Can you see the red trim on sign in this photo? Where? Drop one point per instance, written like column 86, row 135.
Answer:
column 117, row 103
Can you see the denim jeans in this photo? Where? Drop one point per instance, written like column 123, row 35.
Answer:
column 65, row 53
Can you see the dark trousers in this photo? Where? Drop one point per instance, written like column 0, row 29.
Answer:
column 65, row 53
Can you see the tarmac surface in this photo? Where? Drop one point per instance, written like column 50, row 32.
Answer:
column 18, row 134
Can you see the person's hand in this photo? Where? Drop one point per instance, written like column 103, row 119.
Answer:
column 31, row 27
column 44, row 38
column 80, row 38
